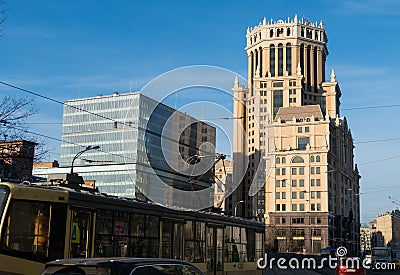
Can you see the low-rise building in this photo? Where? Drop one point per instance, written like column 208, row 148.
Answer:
column 16, row 160
column 385, row 230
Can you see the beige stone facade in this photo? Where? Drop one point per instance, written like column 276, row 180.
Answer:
column 385, row 230
column 296, row 142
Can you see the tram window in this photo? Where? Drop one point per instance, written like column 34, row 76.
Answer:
column 250, row 244
column 189, row 230
column 27, row 229
column 152, row 226
column 200, row 231
column 259, row 243
column 166, row 239
column 229, row 244
column 120, row 240
column 103, row 242
column 80, row 234
column 137, row 225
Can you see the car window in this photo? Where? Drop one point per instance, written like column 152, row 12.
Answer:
column 163, row 269
column 142, row 270
column 187, row 270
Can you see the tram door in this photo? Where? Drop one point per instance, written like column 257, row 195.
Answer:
column 215, row 248
column 80, row 239
column 172, row 239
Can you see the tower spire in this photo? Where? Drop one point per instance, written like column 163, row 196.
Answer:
column 236, row 82
column 333, row 76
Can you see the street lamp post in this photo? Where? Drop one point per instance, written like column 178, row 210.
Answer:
column 88, row 148
column 237, row 206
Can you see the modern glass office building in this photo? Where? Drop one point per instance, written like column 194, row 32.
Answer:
column 141, row 141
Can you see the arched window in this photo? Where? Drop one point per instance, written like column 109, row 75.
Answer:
column 288, row 32
column 283, row 160
column 302, row 58
column 302, row 32
column 312, row 158
column 272, row 60
column 315, row 54
column 297, row 159
column 271, row 33
column 278, row 160
column 289, row 58
column 280, row 60
column 318, row 159
column 308, row 74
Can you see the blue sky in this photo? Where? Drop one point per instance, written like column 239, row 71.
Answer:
column 71, row 49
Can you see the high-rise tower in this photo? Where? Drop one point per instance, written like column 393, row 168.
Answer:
column 298, row 149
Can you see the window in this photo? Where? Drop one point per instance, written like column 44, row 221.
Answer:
column 27, row 229
column 298, row 232
column 283, row 207
column 278, row 160
column 297, row 220
column 278, row 101
column 283, row 182
column 289, row 57
column 299, row 130
column 301, row 171
column 312, row 182
column 302, row 142
column 280, row 60
column 318, row 207
column 294, row 195
column 278, row 195
column 318, row 159
column 312, row 159
column 272, row 60
column 312, row 194
column 278, row 207
column 313, row 207
column 277, row 84
column 283, row 171
column 312, row 170
column 294, row 207
column 263, row 84
column 317, row 170
column 297, row 159
column 318, row 182
column 306, row 129
column 318, row 194
column 301, row 194
column 283, row 195
column 294, row 183
column 301, row 206
column 301, row 183
column 283, row 160
column 278, row 171
column 294, row 171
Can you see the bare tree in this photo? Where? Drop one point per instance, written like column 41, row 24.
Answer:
column 14, row 112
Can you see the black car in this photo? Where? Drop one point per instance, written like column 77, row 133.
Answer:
column 120, row 266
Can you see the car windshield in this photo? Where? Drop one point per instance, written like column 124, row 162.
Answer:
column 3, row 198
